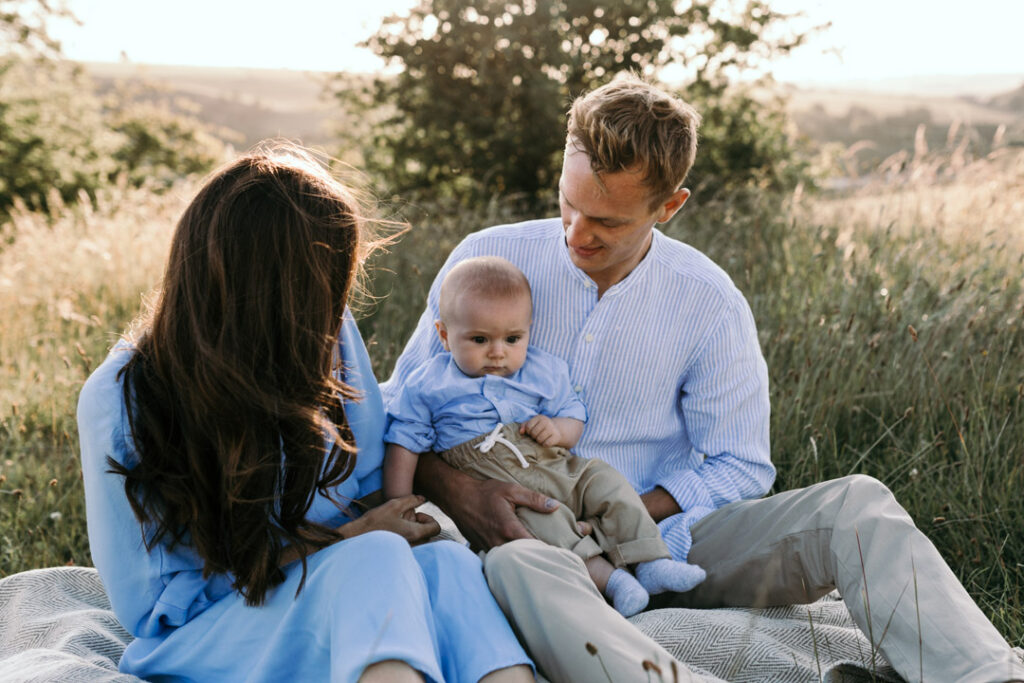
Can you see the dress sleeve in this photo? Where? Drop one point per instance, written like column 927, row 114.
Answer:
column 366, row 414
column 726, row 411
column 149, row 590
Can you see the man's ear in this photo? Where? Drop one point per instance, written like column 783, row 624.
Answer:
column 442, row 332
column 673, row 204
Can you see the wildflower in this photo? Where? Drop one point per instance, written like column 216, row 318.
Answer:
column 55, row 516
column 913, row 473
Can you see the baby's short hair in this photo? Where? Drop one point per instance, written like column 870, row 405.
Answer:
column 482, row 276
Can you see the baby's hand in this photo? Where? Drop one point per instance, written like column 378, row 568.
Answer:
column 543, row 429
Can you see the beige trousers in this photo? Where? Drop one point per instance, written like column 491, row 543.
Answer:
column 564, row 623
column 590, row 490
column 792, row 547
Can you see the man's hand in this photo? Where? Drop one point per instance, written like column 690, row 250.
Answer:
column 484, row 511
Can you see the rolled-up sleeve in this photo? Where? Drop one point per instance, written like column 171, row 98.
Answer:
column 410, row 418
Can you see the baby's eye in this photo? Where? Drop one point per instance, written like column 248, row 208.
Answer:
column 512, row 339
column 478, row 339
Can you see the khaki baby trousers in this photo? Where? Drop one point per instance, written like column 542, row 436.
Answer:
column 588, row 490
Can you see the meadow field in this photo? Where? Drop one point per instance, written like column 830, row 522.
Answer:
column 891, row 320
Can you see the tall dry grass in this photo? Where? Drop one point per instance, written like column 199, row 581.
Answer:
column 891, row 320
column 69, row 284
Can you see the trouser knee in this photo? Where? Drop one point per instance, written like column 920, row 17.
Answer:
column 866, row 486
column 866, row 495
column 869, row 509
column 509, row 561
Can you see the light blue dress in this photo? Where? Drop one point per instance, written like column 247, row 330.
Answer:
column 367, row 599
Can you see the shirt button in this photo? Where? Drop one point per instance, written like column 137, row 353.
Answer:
column 578, row 388
column 589, row 338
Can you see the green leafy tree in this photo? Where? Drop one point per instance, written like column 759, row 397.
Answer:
column 478, row 106
column 49, row 147
column 160, row 137
column 60, row 142
column 23, row 29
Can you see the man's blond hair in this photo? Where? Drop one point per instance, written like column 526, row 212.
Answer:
column 629, row 124
column 490, row 277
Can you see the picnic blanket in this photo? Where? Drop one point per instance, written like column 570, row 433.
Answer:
column 56, row 625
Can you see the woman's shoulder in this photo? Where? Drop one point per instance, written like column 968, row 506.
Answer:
column 106, row 379
column 101, row 407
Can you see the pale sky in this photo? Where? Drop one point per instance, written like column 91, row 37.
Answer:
column 874, row 38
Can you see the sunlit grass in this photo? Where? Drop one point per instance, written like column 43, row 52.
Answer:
column 891, row 321
column 68, row 287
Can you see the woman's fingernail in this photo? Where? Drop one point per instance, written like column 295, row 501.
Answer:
column 550, row 503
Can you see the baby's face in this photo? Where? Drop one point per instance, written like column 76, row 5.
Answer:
column 488, row 336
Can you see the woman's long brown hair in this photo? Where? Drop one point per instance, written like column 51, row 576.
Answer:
column 232, row 390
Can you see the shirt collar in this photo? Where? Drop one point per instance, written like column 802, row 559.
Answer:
column 637, row 274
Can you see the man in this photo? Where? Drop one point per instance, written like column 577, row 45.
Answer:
column 663, row 350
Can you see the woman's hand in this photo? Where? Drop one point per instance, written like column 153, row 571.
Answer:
column 399, row 516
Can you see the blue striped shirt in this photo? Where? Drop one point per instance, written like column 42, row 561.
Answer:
column 667, row 362
column 439, row 407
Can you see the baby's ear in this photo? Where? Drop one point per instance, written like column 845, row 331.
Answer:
column 442, row 332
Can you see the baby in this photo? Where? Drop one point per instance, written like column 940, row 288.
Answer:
column 496, row 408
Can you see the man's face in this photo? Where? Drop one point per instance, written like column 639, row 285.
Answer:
column 488, row 336
column 607, row 229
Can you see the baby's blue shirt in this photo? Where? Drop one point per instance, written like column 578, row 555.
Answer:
column 439, row 406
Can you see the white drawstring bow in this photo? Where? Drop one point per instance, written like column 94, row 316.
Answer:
column 496, row 437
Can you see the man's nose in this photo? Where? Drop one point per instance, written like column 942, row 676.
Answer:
column 576, row 232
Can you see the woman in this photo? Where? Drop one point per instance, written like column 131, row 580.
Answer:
column 223, row 445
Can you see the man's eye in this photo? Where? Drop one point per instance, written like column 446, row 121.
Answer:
column 478, row 340
column 512, row 339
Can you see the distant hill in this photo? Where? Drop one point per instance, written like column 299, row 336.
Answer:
column 933, row 85
column 883, row 114
column 1012, row 101
column 943, row 109
column 879, row 124
column 256, row 103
